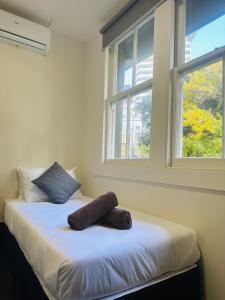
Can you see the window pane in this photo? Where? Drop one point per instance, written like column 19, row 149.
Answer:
column 145, row 38
column 125, row 64
column 119, row 128
column 202, row 91
column 204, row 19
column 140, row 125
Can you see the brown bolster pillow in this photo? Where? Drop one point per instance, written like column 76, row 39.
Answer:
column 93, row 211
column 118, row 218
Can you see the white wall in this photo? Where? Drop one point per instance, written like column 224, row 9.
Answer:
column 202, row 210
column 40, row 105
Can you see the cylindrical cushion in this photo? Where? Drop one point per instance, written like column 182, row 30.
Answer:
column 93, row 211
column 118, row 218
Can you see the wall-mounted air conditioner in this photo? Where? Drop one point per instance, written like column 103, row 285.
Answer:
column 23, row 33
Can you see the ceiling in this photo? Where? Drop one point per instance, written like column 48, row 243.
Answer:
column 79, row 19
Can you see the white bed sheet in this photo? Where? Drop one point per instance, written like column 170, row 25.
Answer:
column 97, row 262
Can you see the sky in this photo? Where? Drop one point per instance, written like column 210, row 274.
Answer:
column 209, row 37
column 206, row 39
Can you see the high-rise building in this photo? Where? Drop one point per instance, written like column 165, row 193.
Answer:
column 187, row 53
column 144, row 70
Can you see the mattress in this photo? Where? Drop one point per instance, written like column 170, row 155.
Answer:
column 99, row 262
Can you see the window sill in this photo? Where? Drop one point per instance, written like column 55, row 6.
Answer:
column 172, row 177
column 143, row 162
column 207, row 164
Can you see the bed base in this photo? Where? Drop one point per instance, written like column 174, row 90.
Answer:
column 185, row 286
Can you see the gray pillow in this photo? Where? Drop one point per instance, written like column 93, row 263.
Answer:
column 57, row 184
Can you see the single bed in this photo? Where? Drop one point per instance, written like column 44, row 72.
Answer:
column 99, row 262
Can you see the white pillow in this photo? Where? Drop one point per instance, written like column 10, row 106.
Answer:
column 30, row 192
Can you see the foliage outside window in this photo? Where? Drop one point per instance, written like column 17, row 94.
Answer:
column 200, row 79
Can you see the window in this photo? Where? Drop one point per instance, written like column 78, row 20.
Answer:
column 199, row 80
column 154, row 125
column 125, row 64
column 129, row 98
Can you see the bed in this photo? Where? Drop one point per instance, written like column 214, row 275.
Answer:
column 99, row 262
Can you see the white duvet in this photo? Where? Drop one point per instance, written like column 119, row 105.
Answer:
column 98, row 261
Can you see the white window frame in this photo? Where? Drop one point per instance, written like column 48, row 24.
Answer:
column 207, row 163
column 127, row 94
column 160, row 172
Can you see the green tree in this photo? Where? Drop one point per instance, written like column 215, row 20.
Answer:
column 202, row 112
column 143, row 108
